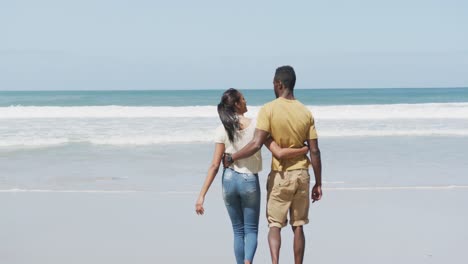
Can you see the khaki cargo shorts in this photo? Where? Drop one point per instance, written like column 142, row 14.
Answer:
column 288, row 191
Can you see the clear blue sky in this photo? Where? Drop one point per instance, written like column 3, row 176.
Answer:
column 113, row 44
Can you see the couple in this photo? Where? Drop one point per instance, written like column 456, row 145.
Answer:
column 282, row 125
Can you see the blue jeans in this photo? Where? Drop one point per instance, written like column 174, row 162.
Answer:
column 241, row 193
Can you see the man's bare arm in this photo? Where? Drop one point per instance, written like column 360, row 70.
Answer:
column 254, row 145
column 316, row 162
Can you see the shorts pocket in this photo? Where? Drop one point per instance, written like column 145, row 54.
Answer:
column 281, row 184
column 283, row 189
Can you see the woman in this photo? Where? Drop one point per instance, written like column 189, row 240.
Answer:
column 241, row 189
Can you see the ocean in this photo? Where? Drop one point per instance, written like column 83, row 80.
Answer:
column 126, row 140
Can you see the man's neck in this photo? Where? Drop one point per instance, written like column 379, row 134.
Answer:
column 287, row 95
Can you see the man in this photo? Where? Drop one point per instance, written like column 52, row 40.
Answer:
column 290, row 124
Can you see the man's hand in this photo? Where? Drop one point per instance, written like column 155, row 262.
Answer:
column 227, row 160
column 316, row 193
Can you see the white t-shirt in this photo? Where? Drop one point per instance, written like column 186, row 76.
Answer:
column 252, row 164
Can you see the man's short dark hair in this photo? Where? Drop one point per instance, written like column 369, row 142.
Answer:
column 287, row 76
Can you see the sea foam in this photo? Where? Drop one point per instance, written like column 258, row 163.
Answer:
column 342, row 112
column 47, row 126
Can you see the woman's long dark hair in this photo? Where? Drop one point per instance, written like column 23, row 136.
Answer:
column 227, row 112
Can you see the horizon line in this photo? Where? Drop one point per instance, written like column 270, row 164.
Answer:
column 217, row 89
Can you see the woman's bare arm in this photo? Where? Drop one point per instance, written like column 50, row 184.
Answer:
column 212, row 171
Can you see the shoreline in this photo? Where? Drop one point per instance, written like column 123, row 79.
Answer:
column 368, row 188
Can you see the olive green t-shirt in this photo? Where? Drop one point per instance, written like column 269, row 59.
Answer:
column 289, row 123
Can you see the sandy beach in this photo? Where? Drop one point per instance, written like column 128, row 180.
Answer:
column 101, row 208
column 353, row 226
